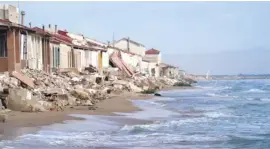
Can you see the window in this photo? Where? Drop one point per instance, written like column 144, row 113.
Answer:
column 56, row 57
column 3, row 44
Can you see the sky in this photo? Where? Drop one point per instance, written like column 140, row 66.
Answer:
column 220, row 37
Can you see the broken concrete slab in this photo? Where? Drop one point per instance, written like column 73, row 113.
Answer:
column 87, row 103
column 3, row 118
column 24, row 79
column 22, row 100
column 80, row 93
column 51, row 91
column 135, row 88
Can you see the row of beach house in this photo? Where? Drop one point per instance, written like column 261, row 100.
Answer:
column 51, row 49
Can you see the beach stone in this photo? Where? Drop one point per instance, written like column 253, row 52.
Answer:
column 38, row 82
column 51, row 91
column 71, row 101
column 145, row 87
column 157, row 94
column 75, row 79
column 135, row 88
column 91, row 92
column 1, row 104
column 121, row 82
column 80, row 93
column 98, row 80
column 61, row 103
column 3, row 118
column 45, row 104
column 87, row 103
column 22, row 100
column 13, row 81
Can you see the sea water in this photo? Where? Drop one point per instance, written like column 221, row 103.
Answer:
column 231, row 114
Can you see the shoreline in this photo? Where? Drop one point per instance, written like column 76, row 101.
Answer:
column 20, row 123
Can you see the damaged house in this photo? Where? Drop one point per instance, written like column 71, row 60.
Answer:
column 170, row 71
column 152, row 59
column 130, row 52
column 87, row 52
column 21, row 47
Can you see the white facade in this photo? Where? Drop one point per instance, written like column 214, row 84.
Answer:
column 150, row 69
column 94, row 58
column 105, row 59
column 79, row 56
column 153, row 69
column 87, row 58
column 153, row 58
column 134, row 48
column 145, row 68
column 55, row 58
column 34, row 52
column 110, row 51
column 65, row 56
column 62, row 58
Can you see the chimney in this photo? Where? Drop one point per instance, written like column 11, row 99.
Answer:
column 49, row 26
column 128, row 44
column 30, row 24
column 55, row 28
column 22, row 17
column 43, row 28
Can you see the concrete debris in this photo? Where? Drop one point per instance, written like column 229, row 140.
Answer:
column 23, row 79
column 22, row 100
column 37, row 91
column 3, row 118
column 80, row 94
column 91, row 69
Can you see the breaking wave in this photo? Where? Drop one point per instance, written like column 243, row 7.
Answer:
column 254, row 90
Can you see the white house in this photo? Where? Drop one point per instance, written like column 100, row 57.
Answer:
column 34, row 52
column 61, row 50
column 132, row 59
column 99, row 53
column 170, row 71
column 153, row 57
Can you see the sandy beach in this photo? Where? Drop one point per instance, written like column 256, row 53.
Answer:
column 33, row 121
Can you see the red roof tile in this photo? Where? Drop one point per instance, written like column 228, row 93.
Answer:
column 152, row 51
column 63, row 38
column 61, row 32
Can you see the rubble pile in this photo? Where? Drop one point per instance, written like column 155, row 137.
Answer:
column 58, row 90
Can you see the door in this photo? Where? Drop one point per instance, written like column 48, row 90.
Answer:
column 100, row 60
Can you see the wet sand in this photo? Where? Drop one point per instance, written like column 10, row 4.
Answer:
column 19, row 123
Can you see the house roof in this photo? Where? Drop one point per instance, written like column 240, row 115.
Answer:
column 41, row 31
column 62, row 38
column 7, row 23
column 91, row 45
column 152, row 51
column 131, row 41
